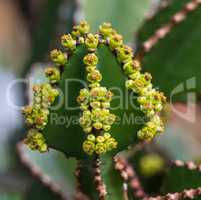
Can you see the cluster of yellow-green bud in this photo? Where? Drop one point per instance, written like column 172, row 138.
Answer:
column 100, row 144
column 68, row 42
column 36, row 141
column 53, row 74
column 96, row 119
column 58, row 57
column 36, row 115
column 150, row 101
column 81, row 29
column 151, row 128
column 151, row 164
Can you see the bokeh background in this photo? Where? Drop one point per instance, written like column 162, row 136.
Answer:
column 28, row 30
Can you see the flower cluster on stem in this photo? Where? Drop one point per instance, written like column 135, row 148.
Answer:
column 150, row 100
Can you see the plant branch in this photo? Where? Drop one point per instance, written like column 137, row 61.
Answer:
column 100, row 186
column 37, row 173
column 129, row 176
column 162, row 32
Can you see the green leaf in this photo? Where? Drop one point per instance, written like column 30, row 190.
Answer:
column 112, row 179
column 161, row 18
column 179, row 179
column 125, row 15
column 68, row 138
column 55, row 165
column 175, row 61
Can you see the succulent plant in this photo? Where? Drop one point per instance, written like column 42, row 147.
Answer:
column 100, row 106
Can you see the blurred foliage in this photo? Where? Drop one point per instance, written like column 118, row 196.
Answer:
column 43, row 35
column 11, row 196
column 126, row 16
column 160, row 18
column 176, row 59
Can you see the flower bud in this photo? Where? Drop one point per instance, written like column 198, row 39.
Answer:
column 91, row 41
column 90, row 59
column 58, row 57
column 68, row 42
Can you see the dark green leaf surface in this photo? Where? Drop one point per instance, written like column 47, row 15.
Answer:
column 179, row 179
column 161, row 18
column 175, row 60
column 41, row 192
column 68, row 138
column 112, row 179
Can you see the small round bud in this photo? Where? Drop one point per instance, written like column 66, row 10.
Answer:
column 94, row 76
column 87, row 130
column 124, row 54
column 105, row 29
column 68, row 42
column 90, row 59
column 106, row 127
column 88, row 147
column 100, row 139
column 58, row 57
column 53, row 74
column 100, row 148
column 95, row 104
column 107, row 136
column 91, row 41
column 116, row 40
column 91, row 138
column 83, row 27
column 97, row 125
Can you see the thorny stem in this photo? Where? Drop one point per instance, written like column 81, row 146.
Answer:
column 100, row 186
column 167, row 28
column 129, row 176
column 77, row 176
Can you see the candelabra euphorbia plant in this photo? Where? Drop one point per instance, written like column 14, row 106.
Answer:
column 97, row 86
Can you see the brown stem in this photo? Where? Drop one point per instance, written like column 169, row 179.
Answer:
column 100, row 186
column 128, row 174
